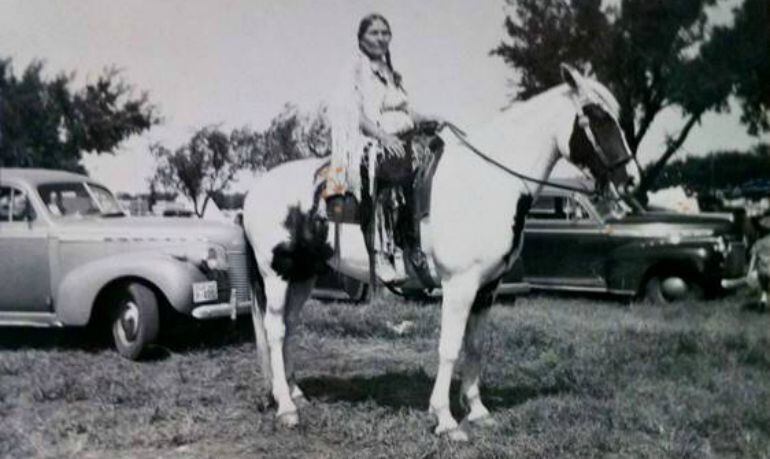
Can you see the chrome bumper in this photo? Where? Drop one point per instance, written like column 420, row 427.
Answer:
column 230, row 309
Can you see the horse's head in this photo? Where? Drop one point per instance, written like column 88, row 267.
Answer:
column 595, row 141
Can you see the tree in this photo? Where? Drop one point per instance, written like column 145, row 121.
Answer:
column 45, row 123
column 744, row 51
column 293, row 135
column 652, row 54
column 204, row 166
column 721, row 170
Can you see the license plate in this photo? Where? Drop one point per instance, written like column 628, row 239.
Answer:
column 204, row 291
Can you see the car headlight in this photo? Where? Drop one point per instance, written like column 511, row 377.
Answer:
column 216, row 258
column 208, row 257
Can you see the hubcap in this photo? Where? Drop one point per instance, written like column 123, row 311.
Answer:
column 128, row 322
column 674, row 288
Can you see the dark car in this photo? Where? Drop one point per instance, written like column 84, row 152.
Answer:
column 754, row 189
column 575, row 242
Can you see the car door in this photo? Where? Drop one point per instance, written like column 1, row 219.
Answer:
column 564, row 244
column 25, row 272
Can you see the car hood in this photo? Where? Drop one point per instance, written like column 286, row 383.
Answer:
column 145, row 228
column 714, row 223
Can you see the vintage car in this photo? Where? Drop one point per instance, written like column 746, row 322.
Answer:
column 574, row 242
column 577, row 242
column 70, row 256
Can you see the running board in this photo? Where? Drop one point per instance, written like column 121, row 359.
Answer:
column 29, row 319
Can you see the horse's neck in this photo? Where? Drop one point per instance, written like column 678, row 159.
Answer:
column 524, row 137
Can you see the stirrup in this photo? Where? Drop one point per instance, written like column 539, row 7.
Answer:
column 418, row 265
column 388, row 272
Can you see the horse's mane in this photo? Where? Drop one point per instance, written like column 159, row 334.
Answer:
column 599, row 93
column 501, row 131
column 523, row 108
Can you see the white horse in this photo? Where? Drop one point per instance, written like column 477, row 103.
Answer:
column 468, row 236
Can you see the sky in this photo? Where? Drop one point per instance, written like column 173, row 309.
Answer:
column 236, row 63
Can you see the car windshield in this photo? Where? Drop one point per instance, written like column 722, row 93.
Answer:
column 78, row 199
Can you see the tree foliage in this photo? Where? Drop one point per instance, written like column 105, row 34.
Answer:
column 652, row 54
column 292, row 135
column 722, row 170
column 205, row 167
column 46, row 123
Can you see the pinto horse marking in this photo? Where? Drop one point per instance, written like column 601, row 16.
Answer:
column 471, row 236
column 305, row 253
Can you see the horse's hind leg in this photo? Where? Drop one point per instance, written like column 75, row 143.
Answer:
column 458, row 295
column 258, row 305
column 297, row 295
column 275, row 327
column 474, row 356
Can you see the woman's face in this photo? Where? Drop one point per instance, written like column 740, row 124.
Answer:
column 376, row 39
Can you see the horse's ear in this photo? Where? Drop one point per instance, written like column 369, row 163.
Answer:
column 570, row 76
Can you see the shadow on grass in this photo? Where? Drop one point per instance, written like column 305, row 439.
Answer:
column 180, row 336
column 409, row 390
column 20, row 338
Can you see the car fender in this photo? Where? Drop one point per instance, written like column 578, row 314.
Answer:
column 75, row 296
column 629, row 265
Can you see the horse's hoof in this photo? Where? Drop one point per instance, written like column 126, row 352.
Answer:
column 484, row 422
column 457, row 435
column 288, row 420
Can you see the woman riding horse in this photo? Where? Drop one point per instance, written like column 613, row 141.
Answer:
column 372, row 121
column 472, row 237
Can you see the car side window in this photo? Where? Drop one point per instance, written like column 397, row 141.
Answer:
column 559, row 208
column 548, row 208
column 14, row 206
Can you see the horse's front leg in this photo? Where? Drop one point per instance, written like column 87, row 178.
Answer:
column 458, row 295
column 474, row 359
column 275, row 328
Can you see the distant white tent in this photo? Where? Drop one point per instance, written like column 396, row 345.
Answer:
column 673, row 198
column 213, row 212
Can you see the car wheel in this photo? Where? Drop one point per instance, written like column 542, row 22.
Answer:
column 664, row 289
column 135, row 321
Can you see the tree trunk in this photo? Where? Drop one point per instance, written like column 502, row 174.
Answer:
column 195, row 207
column 648, row 180
column 205, row 203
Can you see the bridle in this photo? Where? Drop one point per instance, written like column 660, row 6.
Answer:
column 584, row 123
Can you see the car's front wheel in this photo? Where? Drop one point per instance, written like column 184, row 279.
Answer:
column 670, row 288
column 135, row 319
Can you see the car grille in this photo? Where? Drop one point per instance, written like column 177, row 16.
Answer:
column 735, row 259
column 241, row 270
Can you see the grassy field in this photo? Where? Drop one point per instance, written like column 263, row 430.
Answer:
column 565, row 377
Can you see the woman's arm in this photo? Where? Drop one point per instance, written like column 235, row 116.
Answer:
column 390, row 142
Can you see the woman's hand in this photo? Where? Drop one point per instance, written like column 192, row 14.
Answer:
column 436, row 122
column 440, row 121
column 393, row 146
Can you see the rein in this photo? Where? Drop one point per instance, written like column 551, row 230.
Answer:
column 460, row 134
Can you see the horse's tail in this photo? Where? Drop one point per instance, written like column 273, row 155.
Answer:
column 305, row 253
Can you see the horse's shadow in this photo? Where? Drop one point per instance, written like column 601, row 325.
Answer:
column 409, row 390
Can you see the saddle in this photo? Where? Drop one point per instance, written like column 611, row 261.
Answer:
column 413, row 179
